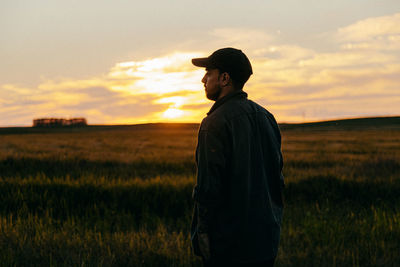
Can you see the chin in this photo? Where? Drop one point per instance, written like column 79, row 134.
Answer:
column 213, row 96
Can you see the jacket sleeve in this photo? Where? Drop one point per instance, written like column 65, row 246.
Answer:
column 211, row 159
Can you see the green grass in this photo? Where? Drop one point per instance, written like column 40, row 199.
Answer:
column 121, row 196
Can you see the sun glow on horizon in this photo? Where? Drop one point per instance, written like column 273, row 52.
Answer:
column 173, row 113
column 171, row 81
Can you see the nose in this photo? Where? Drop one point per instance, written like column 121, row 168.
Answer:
column 204, row 79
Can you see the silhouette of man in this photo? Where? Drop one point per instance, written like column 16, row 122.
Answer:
column 238, row 195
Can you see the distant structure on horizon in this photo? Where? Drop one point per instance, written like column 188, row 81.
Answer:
column 59, row 122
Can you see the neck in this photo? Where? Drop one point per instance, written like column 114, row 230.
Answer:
column 225, row 91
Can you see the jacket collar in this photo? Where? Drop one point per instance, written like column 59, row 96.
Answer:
column 220, row 102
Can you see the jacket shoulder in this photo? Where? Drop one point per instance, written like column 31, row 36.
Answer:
column 232, row 111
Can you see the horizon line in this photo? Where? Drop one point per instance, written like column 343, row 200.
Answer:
column 163, row 122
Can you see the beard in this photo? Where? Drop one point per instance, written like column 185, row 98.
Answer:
column 213, row 95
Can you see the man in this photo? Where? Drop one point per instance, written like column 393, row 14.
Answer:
column 238, row 201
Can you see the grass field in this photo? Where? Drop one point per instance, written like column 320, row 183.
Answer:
column 121, row 195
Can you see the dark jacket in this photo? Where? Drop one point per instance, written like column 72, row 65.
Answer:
column 238, row 199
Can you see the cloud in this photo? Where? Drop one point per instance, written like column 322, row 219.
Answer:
column 371, row 29
column 379, row 33
column 360, row 76
column 151, row 90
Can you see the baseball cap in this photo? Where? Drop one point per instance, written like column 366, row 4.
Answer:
column 230, row 60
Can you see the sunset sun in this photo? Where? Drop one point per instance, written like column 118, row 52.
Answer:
column 173, row 113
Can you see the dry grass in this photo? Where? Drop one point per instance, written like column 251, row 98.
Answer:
column 121, row 196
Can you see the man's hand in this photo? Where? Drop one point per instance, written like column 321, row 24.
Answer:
column 204, row 245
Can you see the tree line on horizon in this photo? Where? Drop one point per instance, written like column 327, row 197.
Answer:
column 59, row 122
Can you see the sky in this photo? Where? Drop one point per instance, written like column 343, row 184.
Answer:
column 127, row 62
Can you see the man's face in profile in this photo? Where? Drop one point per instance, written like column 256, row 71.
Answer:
column 211, row 84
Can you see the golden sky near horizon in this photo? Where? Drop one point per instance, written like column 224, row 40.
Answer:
column 350, row 70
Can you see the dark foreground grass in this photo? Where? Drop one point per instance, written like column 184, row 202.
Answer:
column 328, row 222
column 77, row 167
column 109, row 208
column 37, row 242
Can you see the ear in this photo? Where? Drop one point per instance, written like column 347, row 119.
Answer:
column 225, row 79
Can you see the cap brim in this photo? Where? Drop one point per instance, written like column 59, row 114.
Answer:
column 202, row 62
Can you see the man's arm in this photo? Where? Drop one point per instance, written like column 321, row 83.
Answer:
column 211, row 166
